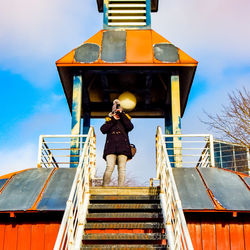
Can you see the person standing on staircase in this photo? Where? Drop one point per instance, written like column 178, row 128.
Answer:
column 117, row 147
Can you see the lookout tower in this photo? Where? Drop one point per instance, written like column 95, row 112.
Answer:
column 127, row 55
column 193, row 207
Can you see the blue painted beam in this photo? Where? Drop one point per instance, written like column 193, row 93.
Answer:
column 173, row 123
column 148, row 14
column 86, row 124
column 169, row 131
column 105, row 14
column 76, row 120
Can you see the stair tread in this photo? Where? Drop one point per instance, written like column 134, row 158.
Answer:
column 125, row 190
column 124, row 206
column 124, row 236
column 124, row 197
column 124, row 225
column 124, row 215
column 123, row 247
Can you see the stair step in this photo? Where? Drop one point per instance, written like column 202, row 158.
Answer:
column 126, row 225
column 123, row 247
column 125, row 236
column 121, row 231
column 124, row 191
column 124, row 215
column 127, row 198
column 105, row 206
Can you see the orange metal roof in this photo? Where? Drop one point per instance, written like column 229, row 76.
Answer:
column 139, row 51
column 51, row 193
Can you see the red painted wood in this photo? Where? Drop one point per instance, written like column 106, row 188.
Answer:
column 10, row 238
column 37, row 236
column 222, row 236
column 195, row 234
column 247, row 236
column 237, row 236
column 24, row 237
column 208, row 236
column 2, row 233
column 51, row 231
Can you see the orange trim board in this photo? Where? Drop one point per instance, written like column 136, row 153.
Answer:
column 7, row 176
column 125, row 64
column 224, row 210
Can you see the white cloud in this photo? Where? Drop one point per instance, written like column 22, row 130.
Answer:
column 17, row 159
column 213, row 32
column 36, row 33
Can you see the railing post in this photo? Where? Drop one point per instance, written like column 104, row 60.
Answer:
column 248, row 161
column 40, row 149
column 211, row 146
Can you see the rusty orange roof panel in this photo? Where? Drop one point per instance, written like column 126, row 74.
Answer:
column 141, row 48
column 138, row 52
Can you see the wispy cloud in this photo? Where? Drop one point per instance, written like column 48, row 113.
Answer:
column 35, row 33
column 213, row 32
column 18, row 158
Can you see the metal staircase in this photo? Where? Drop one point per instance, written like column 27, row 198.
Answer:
column 124, row 218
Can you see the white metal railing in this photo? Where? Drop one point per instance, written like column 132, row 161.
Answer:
column 175, row 224
column 72, row 225
column 190, row 150
column 231, row 156
column 56, row 150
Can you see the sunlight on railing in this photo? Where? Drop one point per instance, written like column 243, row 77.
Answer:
column 175, row 224
column 190, row 150
column 72, row 226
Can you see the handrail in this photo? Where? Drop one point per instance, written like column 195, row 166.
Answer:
column 72, row 225
column 174, row 220
column 55, row 150
column 190, row 150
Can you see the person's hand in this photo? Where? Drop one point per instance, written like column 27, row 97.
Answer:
column 118, row 111
column 116, row 116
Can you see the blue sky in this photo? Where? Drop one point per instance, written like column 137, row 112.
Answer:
column 35, row 33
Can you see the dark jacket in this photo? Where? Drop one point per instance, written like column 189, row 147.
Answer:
column 117, row 141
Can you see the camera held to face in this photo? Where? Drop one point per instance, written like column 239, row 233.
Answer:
column 116, row 109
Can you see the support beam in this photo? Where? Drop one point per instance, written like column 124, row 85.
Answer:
column 105, row 87
column 148, row 89
column 76, row 120
column 169, row 131
column 176, row 118
column 86, row 123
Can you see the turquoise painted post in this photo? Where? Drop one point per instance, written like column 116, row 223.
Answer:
column 86, row 125
column 169, row 131
column 76, row 120
column 148, row 14
column 105, row 14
